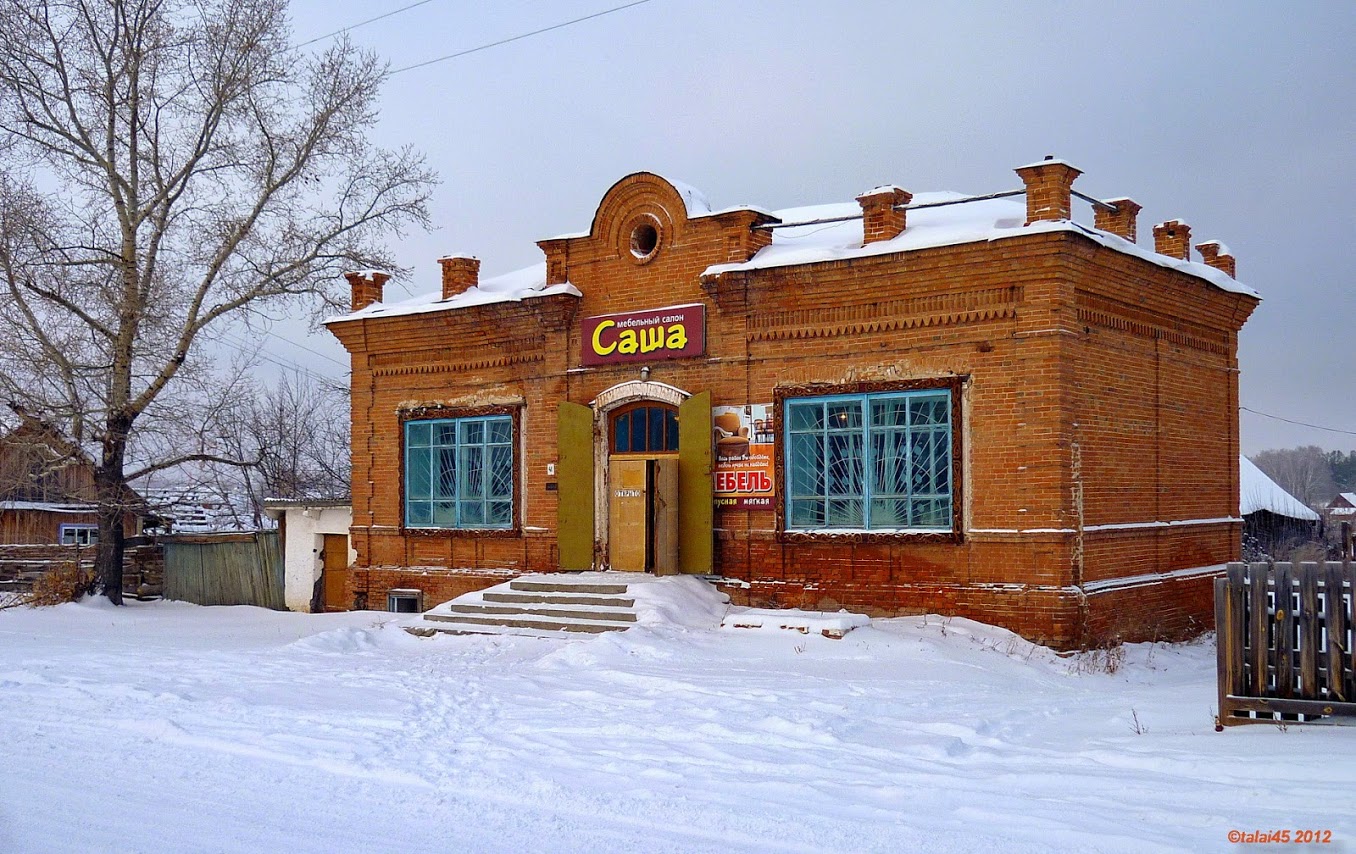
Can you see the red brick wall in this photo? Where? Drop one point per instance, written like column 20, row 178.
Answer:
column 1087, row 370
column 367, row 587
column 1168, row 610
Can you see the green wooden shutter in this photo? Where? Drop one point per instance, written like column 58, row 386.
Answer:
column 696, row 507
column 574, row 476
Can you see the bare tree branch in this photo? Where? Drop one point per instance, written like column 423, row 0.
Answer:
column 182, row 459
column 193, row 166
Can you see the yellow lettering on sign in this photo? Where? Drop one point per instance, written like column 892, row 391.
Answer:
column 651, row 339
column 677, row 337
column 626, row 342
column 598, row 338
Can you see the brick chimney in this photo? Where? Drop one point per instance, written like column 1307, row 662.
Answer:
column 1047, row 189
column 880, row 219
column 1173, row 238
column 556, row 251
column 460, row 274
column 367, row 286
column 1121, row 221
column 1217, row 255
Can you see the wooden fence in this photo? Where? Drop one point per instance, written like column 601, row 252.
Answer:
column 1285, row 642
column 225, row 569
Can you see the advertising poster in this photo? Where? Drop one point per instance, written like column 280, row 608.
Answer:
column 744, row 464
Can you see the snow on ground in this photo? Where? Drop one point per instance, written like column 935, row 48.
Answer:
column 171, row 727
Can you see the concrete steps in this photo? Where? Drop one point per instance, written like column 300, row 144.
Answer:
column 539, row 606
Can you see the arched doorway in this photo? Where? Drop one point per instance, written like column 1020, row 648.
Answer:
column 635, row 480
column 642, row 494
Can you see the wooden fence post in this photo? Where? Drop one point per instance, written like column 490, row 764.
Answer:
column 1334, row 624
column 1258, row 626
column 1228, row 637
column 1284, row 655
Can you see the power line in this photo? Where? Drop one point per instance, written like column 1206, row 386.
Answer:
column 364, row 23
column 1300, row 423
column 520, row 37
column 231, row 341
column 300, row 346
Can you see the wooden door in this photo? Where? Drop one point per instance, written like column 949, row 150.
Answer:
column 574, row 508
column 628, row 505
column 335, row 571
column 696, row 502
column 664, row 515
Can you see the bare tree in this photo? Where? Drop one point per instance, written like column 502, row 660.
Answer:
column 297, row 432
column 1305, row 473
column 166, row 166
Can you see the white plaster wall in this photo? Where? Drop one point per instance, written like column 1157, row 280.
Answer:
column 305, row 529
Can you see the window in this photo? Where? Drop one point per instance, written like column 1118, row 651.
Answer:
column 645, row 429
column 79, row 535
column 459, row 472
column 869, row 461
column 403, row 600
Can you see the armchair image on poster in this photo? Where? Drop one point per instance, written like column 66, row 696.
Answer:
column 743, row 437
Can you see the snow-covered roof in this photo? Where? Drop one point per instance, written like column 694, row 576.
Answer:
column 971, row 222
column 316, row 501
column 1259, row 492
column 510, row 287
column 693, row 199
column 49, row 507
column 198, row 510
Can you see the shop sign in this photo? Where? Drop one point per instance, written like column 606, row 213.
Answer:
column 645, row 336
column 744, row 463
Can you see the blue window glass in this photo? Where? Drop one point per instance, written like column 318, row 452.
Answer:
column 645, row 430
column 459, row 473
column 869, row 461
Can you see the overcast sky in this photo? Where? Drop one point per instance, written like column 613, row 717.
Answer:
column 1239, row 118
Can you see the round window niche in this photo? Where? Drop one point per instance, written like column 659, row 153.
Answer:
column 644, row 238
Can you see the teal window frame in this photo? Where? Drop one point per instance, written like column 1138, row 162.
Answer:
column 872, row 461
column 459, row 473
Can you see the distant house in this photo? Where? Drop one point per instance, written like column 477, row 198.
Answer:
column 198, row 510
column 47, row 492
column 1340, row 510
column 1274, row 521
column 1343, row 507
column 48, row 514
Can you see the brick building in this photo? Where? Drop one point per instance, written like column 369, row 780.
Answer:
column 905, row 404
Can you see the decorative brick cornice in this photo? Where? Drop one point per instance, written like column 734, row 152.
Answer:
column 1094, row 310
column 449, row 359
column 912, row 313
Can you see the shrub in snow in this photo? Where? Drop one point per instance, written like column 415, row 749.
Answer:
column 67, row 582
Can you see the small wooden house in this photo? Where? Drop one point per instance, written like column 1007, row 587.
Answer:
column 46, row 492
column 1274, row 521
